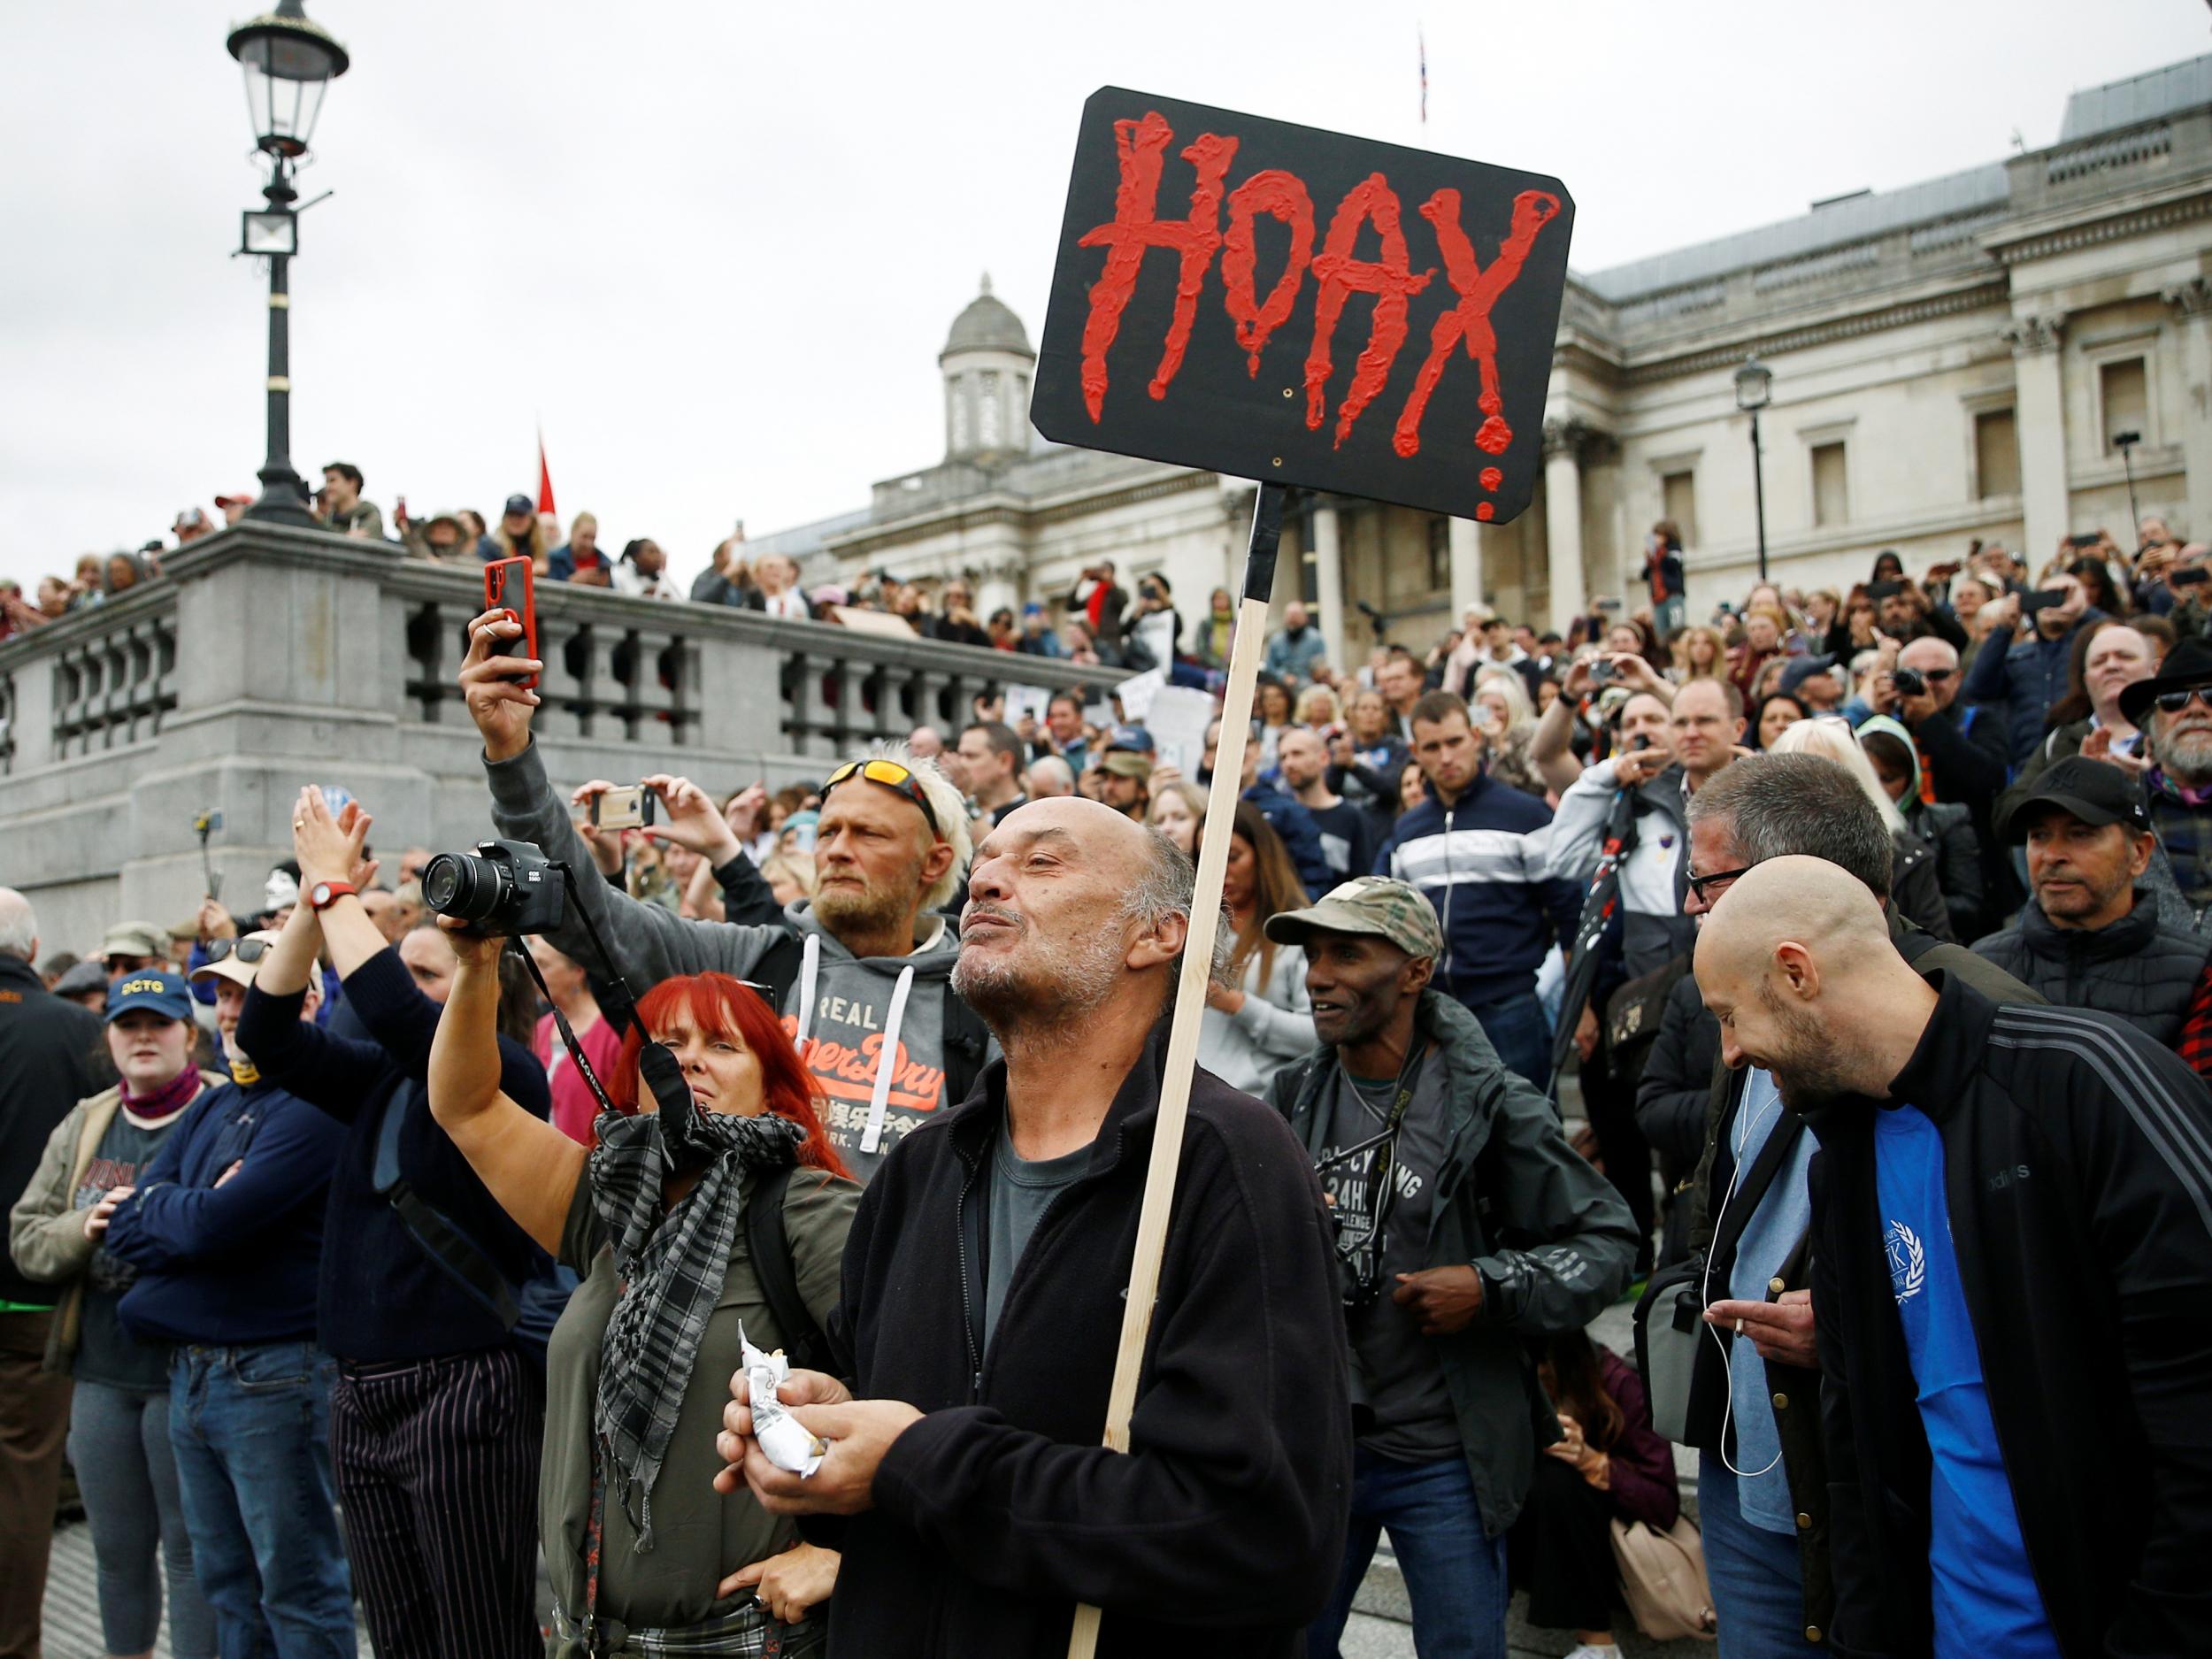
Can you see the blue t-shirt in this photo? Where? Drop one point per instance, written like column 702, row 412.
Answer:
column 1985, row 1597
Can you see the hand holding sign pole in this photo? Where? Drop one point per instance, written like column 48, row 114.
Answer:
column 1251, row 384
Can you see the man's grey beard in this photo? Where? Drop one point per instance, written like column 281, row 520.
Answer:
column 1050, row 994
column 2186, row 757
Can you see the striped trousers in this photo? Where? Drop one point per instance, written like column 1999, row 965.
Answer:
column 437, row 1464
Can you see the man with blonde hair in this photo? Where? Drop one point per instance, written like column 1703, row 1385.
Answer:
column 883, row 1032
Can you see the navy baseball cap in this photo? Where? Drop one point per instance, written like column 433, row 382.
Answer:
column 1800, row 669
column 1131, row 737
column 521, row 503
column 157, row 991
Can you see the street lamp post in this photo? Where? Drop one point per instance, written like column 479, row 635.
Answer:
column 289, row 62
column 1755, row 389
column 2126, row 442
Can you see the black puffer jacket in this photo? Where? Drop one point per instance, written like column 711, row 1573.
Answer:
column 1949, row 828
column 2146, row 974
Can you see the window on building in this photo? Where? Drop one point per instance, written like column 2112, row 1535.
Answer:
column 1996, row 453
column 1677, row 494
column 2127, row 404
column 1440, row 555
column 1831, row 499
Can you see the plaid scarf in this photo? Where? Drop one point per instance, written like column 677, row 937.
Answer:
column 672, row 1267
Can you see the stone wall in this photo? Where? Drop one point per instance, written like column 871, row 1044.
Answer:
column 272, row 658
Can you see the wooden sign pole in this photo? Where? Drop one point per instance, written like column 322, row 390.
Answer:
column 1190, row 993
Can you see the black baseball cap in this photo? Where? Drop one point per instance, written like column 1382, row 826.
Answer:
column 2095, row 791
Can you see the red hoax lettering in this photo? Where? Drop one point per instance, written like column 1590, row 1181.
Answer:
column 1468, row 323
column 1280, row 195
column 1141, row 146
column 1389, row 280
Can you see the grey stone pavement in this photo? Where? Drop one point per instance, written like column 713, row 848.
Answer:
column 1379, row 1628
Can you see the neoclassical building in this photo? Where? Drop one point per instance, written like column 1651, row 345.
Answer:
column 1950, row 360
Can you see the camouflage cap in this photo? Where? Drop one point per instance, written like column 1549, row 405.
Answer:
column 1381, row 905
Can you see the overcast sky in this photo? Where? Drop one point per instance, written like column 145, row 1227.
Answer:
column 714, row 248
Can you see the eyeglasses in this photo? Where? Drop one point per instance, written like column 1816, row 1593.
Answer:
column 891, row 775
column 244, row 949
column 2174, row 702
column 1703, row 886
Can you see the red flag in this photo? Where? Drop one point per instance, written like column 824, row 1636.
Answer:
column 545, row 479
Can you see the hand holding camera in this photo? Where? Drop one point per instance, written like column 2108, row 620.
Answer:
column 694, row 822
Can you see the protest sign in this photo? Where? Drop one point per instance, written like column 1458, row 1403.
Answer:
column 1180, row 357
column 1283, row 303
column 1177, row 721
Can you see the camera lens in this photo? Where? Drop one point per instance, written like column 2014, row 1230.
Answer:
column 465, row 886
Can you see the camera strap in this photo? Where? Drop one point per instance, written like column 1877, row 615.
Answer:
column 1382, row 1187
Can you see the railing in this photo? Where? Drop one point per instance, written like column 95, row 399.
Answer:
column 270, row 657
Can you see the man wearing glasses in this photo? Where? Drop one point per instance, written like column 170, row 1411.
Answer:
column 1755, row 1404
column 862, row 971
column 1963, row 748
column 2176, row 711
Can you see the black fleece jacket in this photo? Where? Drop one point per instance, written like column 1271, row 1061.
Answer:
column 1221, row 1530
column 2077, row 1171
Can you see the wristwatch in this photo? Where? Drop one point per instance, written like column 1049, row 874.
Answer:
column 323, row 894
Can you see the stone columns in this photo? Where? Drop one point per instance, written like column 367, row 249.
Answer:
column 2190, row 303
column 1465, row 545
column 1328, row 582
column 999, row 588
column 1563, row 519
column 2039, row 417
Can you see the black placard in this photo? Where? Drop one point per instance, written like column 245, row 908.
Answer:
column 1198, row 245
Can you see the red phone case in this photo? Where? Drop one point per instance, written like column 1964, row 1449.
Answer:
column 500, row 578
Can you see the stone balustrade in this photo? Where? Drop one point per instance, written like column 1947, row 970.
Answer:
column 272, row 657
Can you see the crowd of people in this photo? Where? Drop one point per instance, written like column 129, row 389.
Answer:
column 360, row 1256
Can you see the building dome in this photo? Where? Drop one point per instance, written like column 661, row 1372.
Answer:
column 987, row 325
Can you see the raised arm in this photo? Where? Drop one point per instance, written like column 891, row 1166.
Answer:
column 525, row 1163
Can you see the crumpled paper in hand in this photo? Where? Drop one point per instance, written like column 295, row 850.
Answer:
column 786, row 1442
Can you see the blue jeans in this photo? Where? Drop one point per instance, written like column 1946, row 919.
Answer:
column 1517, row 1030
column 251, row 1429
column 1758, row 1590
column 118, row 1444
column 1455, row 1577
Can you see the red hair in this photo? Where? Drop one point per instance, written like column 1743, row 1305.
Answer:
column 723, row 1006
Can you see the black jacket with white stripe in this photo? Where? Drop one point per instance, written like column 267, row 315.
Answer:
column 2077, row 1164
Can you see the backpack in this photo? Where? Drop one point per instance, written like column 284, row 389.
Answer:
column 528, row 1310
column 967, row 1040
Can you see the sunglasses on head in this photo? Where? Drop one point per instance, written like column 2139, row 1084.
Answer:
column 244, row 949
column 2174, row 702
column 892, row 775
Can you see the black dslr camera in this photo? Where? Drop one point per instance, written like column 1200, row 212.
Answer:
column 501, row 889
column 1908, row 682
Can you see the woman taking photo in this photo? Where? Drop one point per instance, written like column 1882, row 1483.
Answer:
column 638, row 1544
column 119, row 1413
column 1260, row 1020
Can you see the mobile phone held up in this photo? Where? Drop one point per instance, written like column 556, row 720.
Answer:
column 508, row 586
column 2190, row 575
column 627, row 807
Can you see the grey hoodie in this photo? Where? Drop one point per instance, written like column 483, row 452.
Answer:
column 852, row 996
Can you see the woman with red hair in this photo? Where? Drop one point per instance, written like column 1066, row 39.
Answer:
column 652, row 1214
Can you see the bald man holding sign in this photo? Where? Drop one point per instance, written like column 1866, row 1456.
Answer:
column 2012, row 1281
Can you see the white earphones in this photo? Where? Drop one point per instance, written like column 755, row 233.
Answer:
column 1705, row 1295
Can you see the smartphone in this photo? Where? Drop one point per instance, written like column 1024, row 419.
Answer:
column 1880, row 591
column 626, row 806
column 2089, row 539
column 2040, row 599
column 2190, row 575
column 508, row 586
column 1608, row 603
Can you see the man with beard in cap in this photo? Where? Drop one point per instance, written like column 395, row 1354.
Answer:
column 2174, row 711
column 984, row 1280
column 2012, row 1238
